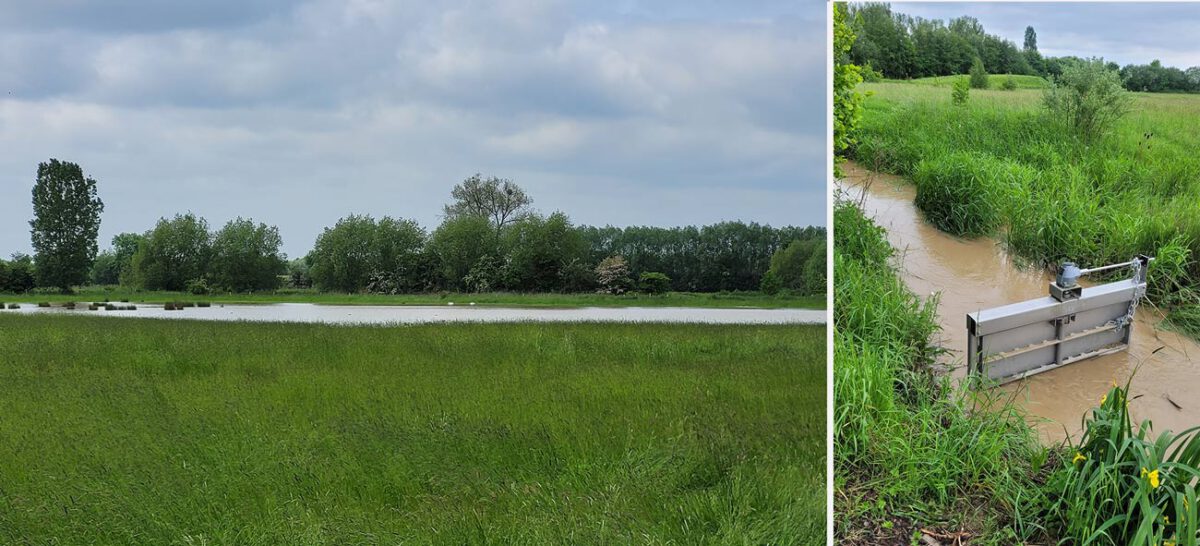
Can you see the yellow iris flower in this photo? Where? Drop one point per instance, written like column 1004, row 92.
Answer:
column 1078, row 457
column 1152, row 475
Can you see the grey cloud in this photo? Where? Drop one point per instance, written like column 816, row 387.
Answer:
column 331, row 107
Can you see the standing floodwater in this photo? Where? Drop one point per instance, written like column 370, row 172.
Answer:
column 416, row 314
column 978, row 273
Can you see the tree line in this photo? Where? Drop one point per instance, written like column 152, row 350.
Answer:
column 894, row 45
column 491, row 239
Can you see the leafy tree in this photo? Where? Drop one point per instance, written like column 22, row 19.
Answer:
column 612, row 274
column 460, row 245
column 399, row 246
column 246, row 256
column 1030, row 39
column 577, row 276
column 66, row 220
column 124, row 246
column 105, row 269
column 979, row 76
column 1009, row 84
column 484, row 276
column 789, row 265
column 174, row 252
column 17, row 274
column 357, row 249
column 499, row 200
column 538, row 248
column 653, row 282
column 1088, row 98
column 771, row 285
column 297, row 274
column 814, row 270
column 847, row 103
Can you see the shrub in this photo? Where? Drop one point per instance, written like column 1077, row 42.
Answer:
column 1010, row 84
column 653, row 282
column 1088, row 98
column 979, row 76
column 957, row 192
column 197, row 286
column 612, row 274
column 961, row 91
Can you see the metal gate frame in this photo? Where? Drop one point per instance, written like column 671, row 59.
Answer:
column 1018, row 340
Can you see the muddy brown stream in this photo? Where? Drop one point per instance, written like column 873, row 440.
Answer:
column 978, row 273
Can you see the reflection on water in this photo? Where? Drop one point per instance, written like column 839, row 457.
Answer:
column 978, row 273
column 387, row 314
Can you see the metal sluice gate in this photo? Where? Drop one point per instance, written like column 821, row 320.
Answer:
column 1071, row 324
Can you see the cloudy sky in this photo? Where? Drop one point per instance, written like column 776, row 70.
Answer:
column 298, row 113
column 1126, row 32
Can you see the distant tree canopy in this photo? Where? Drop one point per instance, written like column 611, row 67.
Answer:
column 901, row 46
column 66, row 220
column 490, row 240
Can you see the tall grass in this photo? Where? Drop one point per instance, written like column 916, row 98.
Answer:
column 1002, row 166
column 185, row 432
column 907, row 444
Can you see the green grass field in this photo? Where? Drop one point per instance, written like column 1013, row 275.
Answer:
column 1001, row 166
column 179, row 432
column 507, row 299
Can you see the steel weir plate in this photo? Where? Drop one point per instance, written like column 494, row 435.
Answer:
column 1018, row 340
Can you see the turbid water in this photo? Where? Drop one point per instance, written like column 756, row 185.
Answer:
column 978, row 273
column 411, row 314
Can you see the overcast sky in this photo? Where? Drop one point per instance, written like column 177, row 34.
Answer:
column 1126, row 32
column 298, row 113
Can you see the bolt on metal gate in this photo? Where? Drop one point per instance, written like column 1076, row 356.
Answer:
column 1073, row 323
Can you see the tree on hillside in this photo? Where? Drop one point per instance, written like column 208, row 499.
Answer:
column 979, row 76
column 66, row 220
column 847, row 103
column 174, row 253
column 499, row 200
column 246, row 256
column 1030, row 39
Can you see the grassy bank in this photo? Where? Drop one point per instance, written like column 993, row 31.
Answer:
column 165, row 432
column 918, row 458
column 910, row 452
column 1000, row 165
column 506, row 299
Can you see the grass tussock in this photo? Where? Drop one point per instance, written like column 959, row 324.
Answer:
column 176, row 432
